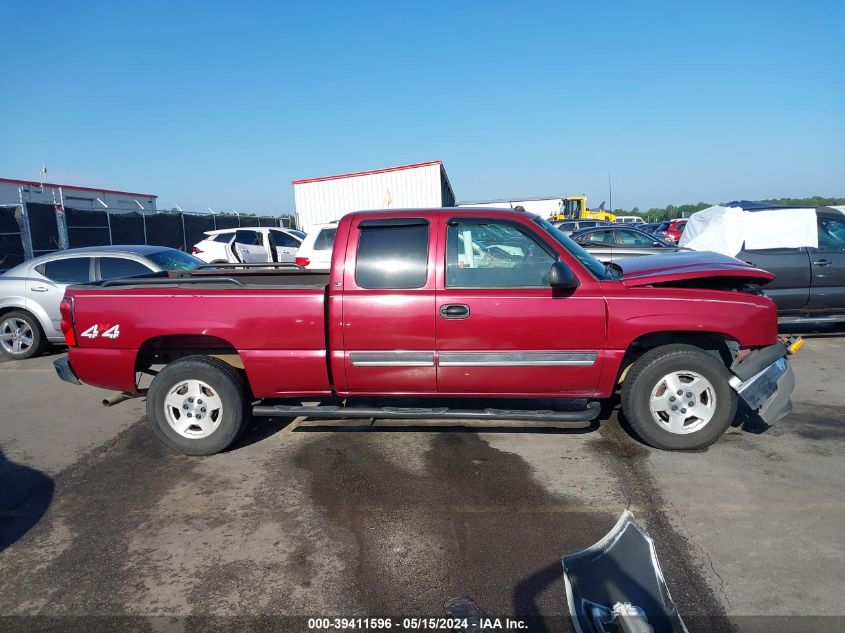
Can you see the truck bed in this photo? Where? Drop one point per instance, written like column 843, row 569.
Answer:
column 273, row 320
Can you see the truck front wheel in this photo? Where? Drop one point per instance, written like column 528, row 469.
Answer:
column 677, row 397
column 198, row 405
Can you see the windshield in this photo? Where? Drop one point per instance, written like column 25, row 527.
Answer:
column 171, row 259
column 598, row 269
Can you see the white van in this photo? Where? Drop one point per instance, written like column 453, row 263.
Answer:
column 629, row 219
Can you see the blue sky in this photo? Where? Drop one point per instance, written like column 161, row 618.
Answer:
column 222, row 104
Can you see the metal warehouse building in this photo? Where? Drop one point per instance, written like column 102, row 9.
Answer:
column 326, row 199
column 11, row 192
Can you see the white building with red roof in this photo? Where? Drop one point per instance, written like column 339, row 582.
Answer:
column 327, row 198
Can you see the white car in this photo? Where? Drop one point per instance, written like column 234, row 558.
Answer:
column 629, row 219
column 316, row 250
column 254, row 245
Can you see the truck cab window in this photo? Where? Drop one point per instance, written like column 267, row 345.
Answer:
column 392, row 256
column 494, row 255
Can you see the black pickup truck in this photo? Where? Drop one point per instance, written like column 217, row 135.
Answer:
column 810, row 282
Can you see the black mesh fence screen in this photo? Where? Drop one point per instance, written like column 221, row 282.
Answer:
column 86, row 218
column 43, row 228
column 227, row 221
column 195, row 227
column 165, row 229
column 127, row 228
column 79, row 236
column 87, row 227
column 10, row 220
column 11, row 251
column 11, row 244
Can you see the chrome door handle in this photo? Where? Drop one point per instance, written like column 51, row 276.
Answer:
column 39, row 289
column 821, row 262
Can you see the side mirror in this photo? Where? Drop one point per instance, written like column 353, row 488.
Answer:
column 561, row 276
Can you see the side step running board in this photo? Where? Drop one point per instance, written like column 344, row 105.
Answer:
column 416, row 413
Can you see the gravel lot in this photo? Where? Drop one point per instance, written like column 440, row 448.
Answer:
column 351, row 519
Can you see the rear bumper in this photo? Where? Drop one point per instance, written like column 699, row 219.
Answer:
column 64, row 371
column 768, row 391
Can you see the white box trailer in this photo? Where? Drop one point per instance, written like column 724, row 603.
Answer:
column 544, row 207
column 328, row 198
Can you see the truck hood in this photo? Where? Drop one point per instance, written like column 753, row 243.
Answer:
column 685, row 266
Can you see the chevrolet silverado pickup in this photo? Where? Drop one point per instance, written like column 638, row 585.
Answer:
column 438, row 305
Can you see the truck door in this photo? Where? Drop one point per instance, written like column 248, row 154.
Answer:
column 827, row 293
column 388, row 306
column 790, row 290
column 500, row 327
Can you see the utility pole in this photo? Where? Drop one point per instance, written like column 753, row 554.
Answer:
column 610, row 191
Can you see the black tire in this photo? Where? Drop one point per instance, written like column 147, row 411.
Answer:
column 39, row 341
column 226, row 382
column 647, row 372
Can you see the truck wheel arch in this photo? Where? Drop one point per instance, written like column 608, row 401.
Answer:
column 163, row 350
column 720, row 345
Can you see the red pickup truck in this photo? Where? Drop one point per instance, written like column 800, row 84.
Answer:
column 438, row 304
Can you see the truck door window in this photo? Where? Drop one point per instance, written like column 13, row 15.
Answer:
column 392, row 256
column 494, row 255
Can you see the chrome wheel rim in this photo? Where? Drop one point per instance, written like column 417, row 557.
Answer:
column 683, row 402
column 193, row 409
column 16, row 336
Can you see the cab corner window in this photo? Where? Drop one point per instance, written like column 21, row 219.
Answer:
column 393, row 257
column 494, row 255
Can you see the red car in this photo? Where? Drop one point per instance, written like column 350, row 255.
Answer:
column 437, row 304
column 671, row 231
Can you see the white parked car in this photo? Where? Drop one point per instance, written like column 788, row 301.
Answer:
column 253, row 245
column 316, row 250
column 629, row 219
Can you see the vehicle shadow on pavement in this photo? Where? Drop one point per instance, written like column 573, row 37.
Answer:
column 464, row 518
column 25, row 495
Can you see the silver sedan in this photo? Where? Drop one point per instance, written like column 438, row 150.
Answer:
column 30, row 293
column 609, row 243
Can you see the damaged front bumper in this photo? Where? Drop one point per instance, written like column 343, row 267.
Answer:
column 764, row 379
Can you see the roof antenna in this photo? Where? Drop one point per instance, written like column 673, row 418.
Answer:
column 42, row 175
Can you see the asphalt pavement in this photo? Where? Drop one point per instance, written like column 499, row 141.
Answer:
column 316, row 518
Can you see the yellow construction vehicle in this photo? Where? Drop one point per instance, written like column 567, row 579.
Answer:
column 575, row 208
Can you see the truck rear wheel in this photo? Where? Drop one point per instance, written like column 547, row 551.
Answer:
column 677, row 397
column 198, row 405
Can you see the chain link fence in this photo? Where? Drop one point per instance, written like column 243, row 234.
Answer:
column 30, row 229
